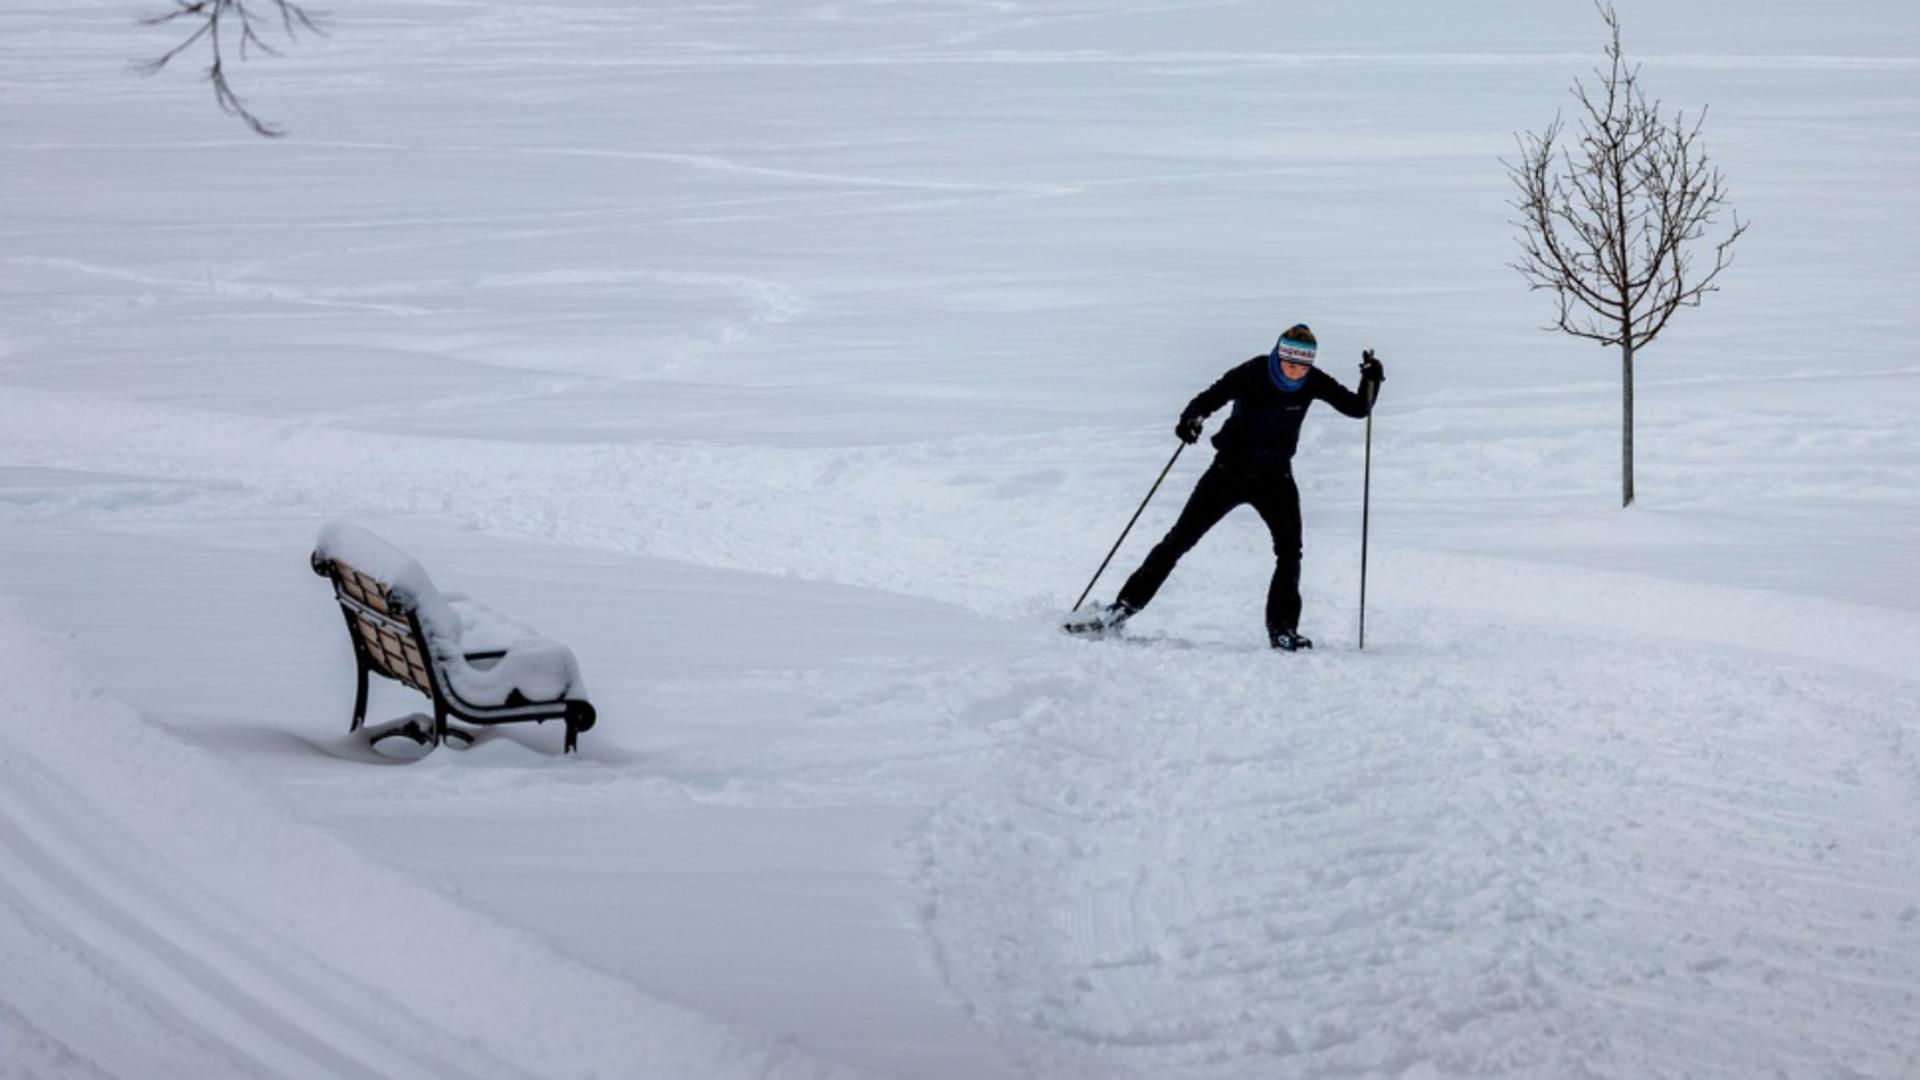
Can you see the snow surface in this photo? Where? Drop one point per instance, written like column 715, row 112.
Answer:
column 795, row 364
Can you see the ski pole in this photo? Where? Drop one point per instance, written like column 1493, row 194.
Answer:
column 1366, row 503
column 1129, row 528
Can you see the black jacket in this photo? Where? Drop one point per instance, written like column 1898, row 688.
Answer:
column 1264, row 427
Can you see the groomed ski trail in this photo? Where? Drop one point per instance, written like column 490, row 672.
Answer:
column 1475, row 852
column 164, row 917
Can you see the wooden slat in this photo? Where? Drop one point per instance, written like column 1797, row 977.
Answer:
column 364, row 588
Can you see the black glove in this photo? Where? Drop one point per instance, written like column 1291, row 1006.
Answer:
column 1371, row 370
column 1188, row 429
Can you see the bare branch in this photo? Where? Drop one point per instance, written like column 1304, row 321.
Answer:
column 1607, row 217
column 221, row 22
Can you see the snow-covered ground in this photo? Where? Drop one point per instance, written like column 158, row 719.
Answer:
column 795, row 363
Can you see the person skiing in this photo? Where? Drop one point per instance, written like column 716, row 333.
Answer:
column 1252, row 464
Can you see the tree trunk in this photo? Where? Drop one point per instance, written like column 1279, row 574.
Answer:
column 1626, row 423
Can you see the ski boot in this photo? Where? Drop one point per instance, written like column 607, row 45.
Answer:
column 1100, row 621
column 1289, row 640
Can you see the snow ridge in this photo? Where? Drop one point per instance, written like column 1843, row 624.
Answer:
column 242, row 941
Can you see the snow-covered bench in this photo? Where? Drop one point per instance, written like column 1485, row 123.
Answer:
column 473, row 663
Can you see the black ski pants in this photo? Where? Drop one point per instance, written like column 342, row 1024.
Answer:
column 1226, row 484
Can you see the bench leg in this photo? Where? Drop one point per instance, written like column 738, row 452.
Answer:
column 459, row 735
column 360, row 697
column 411, row 730
column 580, row 717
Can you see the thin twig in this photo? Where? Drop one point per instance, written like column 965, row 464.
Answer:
column 221, row 22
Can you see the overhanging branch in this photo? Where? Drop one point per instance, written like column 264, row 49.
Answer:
column 234, row 23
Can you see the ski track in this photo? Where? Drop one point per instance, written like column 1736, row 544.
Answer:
column 243, row 1009
column 1357, row 872
column 290, row 955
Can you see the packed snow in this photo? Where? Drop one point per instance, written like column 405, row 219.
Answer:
column 795, row 365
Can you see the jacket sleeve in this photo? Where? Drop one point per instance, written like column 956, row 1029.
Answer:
column 1349, row 403
column 1208, row 401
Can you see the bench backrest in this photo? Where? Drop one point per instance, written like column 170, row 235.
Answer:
column 381, row 627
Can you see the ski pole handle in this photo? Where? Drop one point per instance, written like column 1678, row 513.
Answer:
column 1129, row 528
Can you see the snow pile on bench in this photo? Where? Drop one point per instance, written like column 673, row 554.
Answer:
column 487, row 658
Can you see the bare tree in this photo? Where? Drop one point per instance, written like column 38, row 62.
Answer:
column 1609, row 224
column 231, row 23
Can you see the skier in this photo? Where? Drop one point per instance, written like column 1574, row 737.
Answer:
column 1253, row 463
